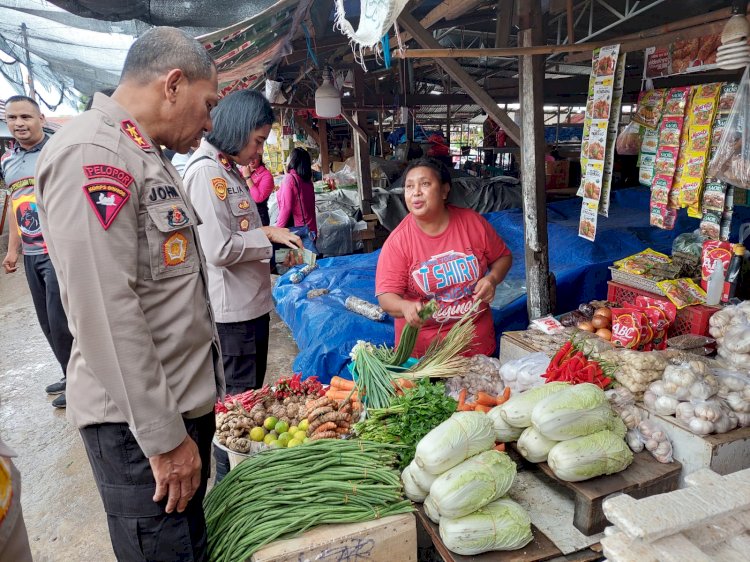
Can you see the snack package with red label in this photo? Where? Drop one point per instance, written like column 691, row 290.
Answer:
column 649, row 319
column 668, row 308
column 682, row 292
column 713, row 250
column 626, row 328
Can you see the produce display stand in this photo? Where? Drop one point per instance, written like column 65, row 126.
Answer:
column 540, row 548
column 390, row 539
column 723, row 453
column 644, row 477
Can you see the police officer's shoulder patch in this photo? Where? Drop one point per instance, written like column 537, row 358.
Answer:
column 220, row 187
column 224, row 161
column 108, row 171
column 107, row 200
column 135, row 135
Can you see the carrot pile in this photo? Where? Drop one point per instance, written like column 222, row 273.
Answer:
column 344, row 389
column 484, row 402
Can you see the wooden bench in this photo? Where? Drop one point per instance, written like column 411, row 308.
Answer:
column 644, row 477
column 540, row 548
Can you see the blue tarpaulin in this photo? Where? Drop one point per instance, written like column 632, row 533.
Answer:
column 326, row 331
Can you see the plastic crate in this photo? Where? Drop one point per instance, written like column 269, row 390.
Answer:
column 690, row 320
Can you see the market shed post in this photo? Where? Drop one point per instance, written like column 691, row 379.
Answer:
column 531, row 75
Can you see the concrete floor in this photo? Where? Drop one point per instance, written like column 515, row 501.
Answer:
column 62, row 508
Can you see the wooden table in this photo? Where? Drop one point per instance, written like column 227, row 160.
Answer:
column 540, row 548
column 644, row 477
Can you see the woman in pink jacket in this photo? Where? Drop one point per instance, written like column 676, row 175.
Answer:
column 260, row 183
column 296, row 196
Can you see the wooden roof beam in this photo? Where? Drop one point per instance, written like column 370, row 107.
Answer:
column 459, row 75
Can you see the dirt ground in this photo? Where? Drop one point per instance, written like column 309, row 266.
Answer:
column 62, row 508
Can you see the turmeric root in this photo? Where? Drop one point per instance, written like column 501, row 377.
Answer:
column 324, row 435
column 315, row 414
column 328, row 426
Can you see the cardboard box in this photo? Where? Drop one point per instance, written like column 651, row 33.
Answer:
column 391, row 539
column 557, row 174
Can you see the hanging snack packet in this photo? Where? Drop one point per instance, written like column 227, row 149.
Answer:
column 710, row 226
column 682, row 292
column 727, row 96
column 676, row 101
column 650, row 103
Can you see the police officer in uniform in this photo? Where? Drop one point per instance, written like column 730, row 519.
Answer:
column 145, row 368
column 237, row 246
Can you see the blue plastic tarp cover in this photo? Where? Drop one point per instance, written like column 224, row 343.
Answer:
column 325, row 331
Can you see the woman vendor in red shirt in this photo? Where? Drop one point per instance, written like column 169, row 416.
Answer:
column 443, row 252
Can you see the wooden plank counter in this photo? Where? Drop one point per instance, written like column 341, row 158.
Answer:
column 541, row 548
column 644, row 477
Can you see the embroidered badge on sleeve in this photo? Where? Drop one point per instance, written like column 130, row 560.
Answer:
column 244, row 225
column 220, row 187
column 176, row 216
column 244, row 204
column 106, row 171
column 132, row 131
column 175, row 249
column 107, row 200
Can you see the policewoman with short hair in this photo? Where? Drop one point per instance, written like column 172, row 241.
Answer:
column 237, row 246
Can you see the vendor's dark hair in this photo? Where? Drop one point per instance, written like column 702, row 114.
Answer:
column 435, row 165
column 27, row 99
column 235, row 119
column 161, row 49
column 300, row 162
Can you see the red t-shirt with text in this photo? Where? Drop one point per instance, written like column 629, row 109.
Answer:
column 445, row 267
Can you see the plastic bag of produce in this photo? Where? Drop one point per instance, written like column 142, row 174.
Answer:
column 525, row 373
column 517, row 410
column 461, row 436
column 629, row 140
column 578, row 410
column 473, row 484
column 731, row 162
column 589, row 456
column 500, row 525
column 504, row 432
column 534, row 446
column 411, row 488
column 734, row 388
column 652, row 435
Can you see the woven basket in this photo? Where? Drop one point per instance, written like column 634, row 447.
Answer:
column 637, row 281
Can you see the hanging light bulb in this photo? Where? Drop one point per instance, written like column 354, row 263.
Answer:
column 327, row 98
column 734, row 51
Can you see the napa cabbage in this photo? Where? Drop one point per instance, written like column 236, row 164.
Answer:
column 517, row 410
column 589, row 456
column 500, row 525
column 578, row 410
column 473, row 484
column 461, row 436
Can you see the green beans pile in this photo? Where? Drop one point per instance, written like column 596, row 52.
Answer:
column 284, row 492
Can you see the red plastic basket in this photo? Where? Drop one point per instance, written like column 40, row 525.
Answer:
column 690, row 320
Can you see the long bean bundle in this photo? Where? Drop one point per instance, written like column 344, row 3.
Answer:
column 284, row 492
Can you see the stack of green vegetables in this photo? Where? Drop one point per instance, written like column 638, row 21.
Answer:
column 408, row 418
column 463, row 482
column 571, row 427
column 377, row 367
column 284, row 492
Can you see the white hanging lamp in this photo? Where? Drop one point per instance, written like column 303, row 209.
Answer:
column 327, row 98
column 734, row 51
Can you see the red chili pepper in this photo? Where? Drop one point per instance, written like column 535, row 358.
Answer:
column 560, row 354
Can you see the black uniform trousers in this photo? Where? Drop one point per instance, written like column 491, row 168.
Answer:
column 139, row 528
column 244, row 353
column 45, row 292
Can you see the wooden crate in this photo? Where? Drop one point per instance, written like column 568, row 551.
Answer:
column 391, row 539
column 724, row 453
column 512, row 348
column 644, row 477
column 540, row 548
